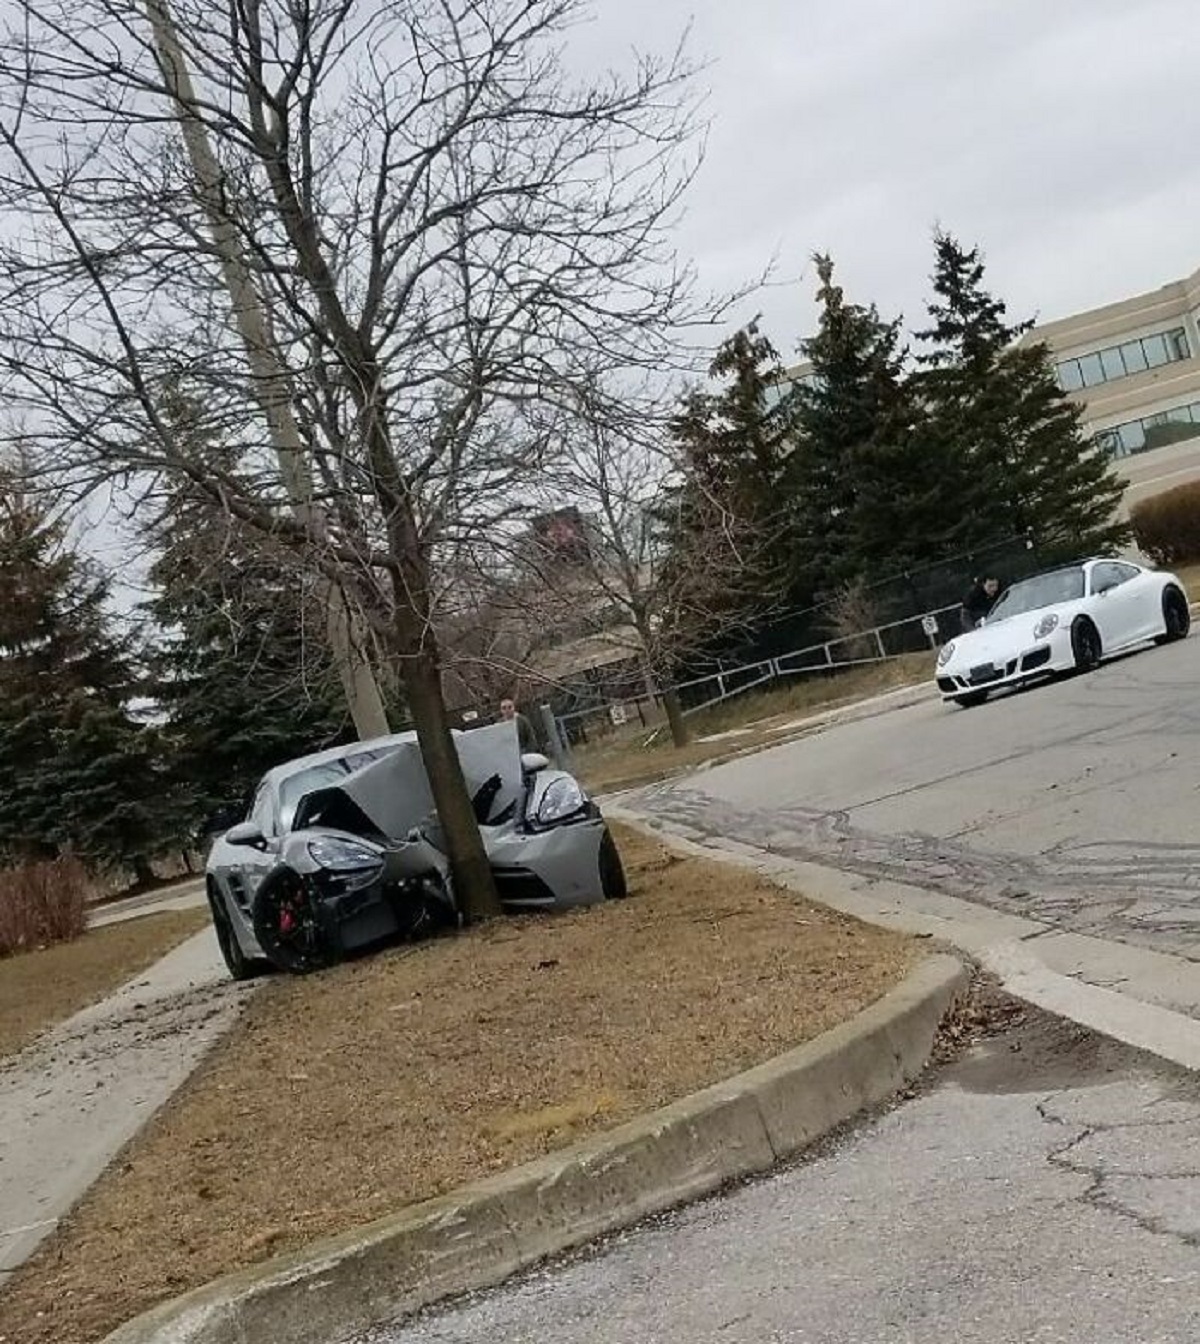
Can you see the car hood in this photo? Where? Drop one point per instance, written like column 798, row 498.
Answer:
column 393, row 794
column 1004, row 639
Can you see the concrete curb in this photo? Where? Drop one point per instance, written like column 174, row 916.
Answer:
column 481, row 1234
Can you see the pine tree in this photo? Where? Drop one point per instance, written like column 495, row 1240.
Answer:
column 734, row 443
column 995, row 407
column 243, row 682
column 870, row 497
column 736, row 439
column 77, row 771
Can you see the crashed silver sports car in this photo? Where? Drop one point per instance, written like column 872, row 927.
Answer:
column 342, row 850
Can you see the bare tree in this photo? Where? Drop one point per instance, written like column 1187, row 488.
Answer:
column 448, row 235
column 661, row 567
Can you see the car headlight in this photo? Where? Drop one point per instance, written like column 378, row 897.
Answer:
column 342, row 856
column 1047, row 625
column 563, row 798
column 945, row 653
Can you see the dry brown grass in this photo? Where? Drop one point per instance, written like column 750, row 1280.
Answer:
column 386, row 1081
column 624, row 762
column 38, row 989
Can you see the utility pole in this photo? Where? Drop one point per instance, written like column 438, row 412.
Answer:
column 271, row 380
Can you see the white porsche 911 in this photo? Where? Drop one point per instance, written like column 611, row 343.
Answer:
column 1065, row 620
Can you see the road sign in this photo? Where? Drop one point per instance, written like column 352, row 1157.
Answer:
column 929, row 625
column 618, row 715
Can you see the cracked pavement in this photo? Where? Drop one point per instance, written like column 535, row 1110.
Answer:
column 1044, row 1187
column 1073, row 803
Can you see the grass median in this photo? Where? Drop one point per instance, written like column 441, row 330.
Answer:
column 353, row 1093
column 758, row 719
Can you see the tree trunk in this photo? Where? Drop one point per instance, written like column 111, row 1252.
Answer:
column 143, row 874
column 363, row 697
column 679, row 729
column 474, row 883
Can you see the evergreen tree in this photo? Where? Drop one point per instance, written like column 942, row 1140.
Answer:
column 734, row 444
column 243, row 681
column 77, row 771
column 995, row 407
column 870, row 494
column 736, row 439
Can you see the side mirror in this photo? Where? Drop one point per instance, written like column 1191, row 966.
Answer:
column 533, row 761
column 248, row 833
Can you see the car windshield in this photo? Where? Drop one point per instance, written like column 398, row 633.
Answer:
column 294, row 787
column 1044, row 590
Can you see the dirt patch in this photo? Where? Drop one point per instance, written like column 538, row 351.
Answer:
column 758, row 720
column 993, row 1043
column 350, row 1094
column 39, row 989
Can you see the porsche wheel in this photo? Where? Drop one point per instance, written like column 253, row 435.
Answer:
column 1085, row 645
column 1177, row 619
column 971, row 699
column 238, row 964
column 288, row 926
column 613, row 882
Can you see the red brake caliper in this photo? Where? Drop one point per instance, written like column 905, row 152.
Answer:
column 287, row 921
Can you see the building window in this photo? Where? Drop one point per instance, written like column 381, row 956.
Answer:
column 1152, row 431
column 1091, row 370
column 1133, row 357
column 1119, row 361
column 1112, row 363
column 1069, row 376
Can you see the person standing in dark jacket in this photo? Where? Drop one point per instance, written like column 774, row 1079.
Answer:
column 979, row 601
column 525, row 734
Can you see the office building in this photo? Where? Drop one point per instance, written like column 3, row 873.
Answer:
column 1134, row 368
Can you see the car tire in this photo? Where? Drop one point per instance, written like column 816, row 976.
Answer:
column 971, row 699
column 238, row 964
column 1086, row 646
column 287, row 925
column 613, row 882
column 1177, row 618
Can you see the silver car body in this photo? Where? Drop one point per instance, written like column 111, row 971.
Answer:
column 378, row 791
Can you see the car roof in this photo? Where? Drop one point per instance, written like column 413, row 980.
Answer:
column 293, row 767
column 1086, row 563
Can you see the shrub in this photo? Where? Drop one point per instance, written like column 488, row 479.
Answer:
column 851, row 612
column 42, row 903
column 1166, row 526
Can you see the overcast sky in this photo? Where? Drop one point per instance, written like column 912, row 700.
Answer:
column 1059, row 134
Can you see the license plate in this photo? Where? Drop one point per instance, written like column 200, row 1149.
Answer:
column 985, row 672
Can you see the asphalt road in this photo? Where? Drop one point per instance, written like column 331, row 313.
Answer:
column 1076, row 803
column 1046, row 1187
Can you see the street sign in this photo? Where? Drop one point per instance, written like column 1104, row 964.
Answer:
column 929, row 625
column 618, row 715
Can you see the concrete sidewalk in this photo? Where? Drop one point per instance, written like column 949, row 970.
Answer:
column 180, row 896
column 72, row 1099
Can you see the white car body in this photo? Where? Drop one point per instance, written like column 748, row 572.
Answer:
column 1040, row 626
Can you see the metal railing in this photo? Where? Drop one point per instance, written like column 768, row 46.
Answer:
column 865, row 648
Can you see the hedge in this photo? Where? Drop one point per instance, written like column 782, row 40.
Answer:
column 1167, row 526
